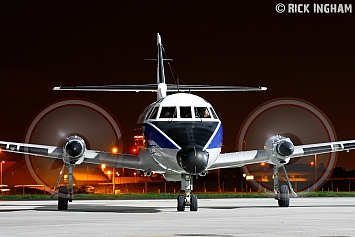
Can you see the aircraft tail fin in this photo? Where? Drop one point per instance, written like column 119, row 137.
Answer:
column 162, row 88
column 160, row 68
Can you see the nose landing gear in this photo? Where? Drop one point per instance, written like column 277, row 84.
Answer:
column 187, row 199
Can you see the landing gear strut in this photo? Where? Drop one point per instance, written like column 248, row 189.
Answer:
column 187, row 200
column 282, row 194
column 65, row 194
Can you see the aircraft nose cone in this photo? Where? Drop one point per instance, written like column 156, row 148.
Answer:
column 285, row 148
column 193, row 160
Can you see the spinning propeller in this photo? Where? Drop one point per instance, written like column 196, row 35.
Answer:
column 303, row 123
column 71, row 124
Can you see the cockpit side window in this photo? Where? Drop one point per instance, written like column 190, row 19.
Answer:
column 154, row 113
column 213, row 113
column 202, row 112
column 168, row 112
column 144, row 115
column 185, row 112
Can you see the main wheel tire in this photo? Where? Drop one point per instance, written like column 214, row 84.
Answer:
column 284, row 200
column 181, row 203
column 62, row 200
column 194, row 203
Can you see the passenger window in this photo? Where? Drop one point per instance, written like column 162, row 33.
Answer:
column 168, row 112
column 202, row 112
column 153, row 115
column 185, row 112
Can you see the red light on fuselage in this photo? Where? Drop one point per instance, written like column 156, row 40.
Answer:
column 134, row 151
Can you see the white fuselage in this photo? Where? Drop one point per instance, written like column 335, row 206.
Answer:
column 181, row 122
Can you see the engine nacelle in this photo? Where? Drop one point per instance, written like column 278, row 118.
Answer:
column 74, row 150
column 280, row 148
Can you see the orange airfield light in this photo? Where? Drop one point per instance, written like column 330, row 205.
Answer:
column 262, row 163
column 114, row 150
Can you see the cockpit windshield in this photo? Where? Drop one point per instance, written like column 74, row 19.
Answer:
column 185, row 112
column 181, row 112
column 168, row 112
column 202, row 112
column 179, row 107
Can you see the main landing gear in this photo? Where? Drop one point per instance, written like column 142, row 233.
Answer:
column 187, row 199
column 282, row 194
column 65, row 194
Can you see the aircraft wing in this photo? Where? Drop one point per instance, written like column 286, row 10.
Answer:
column 239, row 159
column 272, row 155
column 87, row 156
column 32, row 149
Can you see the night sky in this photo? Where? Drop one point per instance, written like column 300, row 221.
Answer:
column 307, row 56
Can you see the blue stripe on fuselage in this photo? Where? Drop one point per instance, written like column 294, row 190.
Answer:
column 217, row 139
column 156, row 139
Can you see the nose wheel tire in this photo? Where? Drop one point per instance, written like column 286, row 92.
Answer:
column 193, row 205
column 284, row 200
column 181, row 203
column 63, row 198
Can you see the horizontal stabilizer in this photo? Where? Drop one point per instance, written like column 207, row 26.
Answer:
column 154, row 88
column 187, row 88
column 134, row 88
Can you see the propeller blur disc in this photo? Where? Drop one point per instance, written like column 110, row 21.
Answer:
column 62, row 119
column 303, row 123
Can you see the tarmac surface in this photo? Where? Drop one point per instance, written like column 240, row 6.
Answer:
column 215, row 217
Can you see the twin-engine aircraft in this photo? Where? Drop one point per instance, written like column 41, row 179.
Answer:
column 182, row 139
